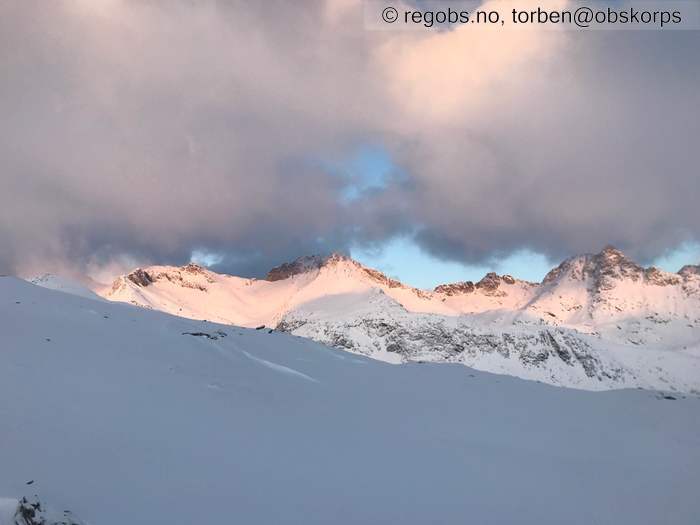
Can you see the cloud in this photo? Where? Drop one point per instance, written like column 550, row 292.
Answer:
column 589, row 145
column 146, row 130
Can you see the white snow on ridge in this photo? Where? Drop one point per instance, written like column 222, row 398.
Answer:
column 63, row 284
column 125, row 415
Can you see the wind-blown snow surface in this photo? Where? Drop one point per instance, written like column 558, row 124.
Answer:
column 596, row 322
column 63, row 284
column 121, row 418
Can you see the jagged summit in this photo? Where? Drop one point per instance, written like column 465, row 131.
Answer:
column 334, row 260
column 611, row 251
column 306, row 263
column 610, row 267
column 460, row 287
column 490, row 284
column 690, row 269
column 579, row 267
column 139, row 277
column 190, row 275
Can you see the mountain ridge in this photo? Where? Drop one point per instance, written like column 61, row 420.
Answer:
column 611, row 262
column 595, row 321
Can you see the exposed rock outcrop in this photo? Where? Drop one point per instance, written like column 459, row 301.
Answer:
column 462, row 287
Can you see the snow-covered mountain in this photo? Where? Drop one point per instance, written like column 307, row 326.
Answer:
column 596, row 321
column 118, row 414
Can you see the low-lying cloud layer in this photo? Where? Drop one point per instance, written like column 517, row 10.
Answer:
column 147, row 130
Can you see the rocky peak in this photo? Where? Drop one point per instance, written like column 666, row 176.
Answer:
column 604, row 268
column 508, row 279
column 689, row 269
column 194, row 269
column 304, row 264
column 458, row 288
column 609, row 252
column 489, row 285
column 140, row 277
column 610, row 266
column 189, row 276
column 610, row 258
column 658, row 277
column 490, row 282
column 316, row 262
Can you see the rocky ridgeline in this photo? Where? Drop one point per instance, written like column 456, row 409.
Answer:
column 462, row 287
column 604, row 270
column 299, row 266
column 607, row 268
column 489, row 285
column 317, row 262
column 435, row 340
column 189, row 276
column 690, row 270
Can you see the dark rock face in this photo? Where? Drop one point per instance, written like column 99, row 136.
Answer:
column 490, row 282
column 655, row 276
column 610, row 266
column 194, row 269
column 689, row 270
column 30, row 511
column 489, row 285
column 508, row 279
column 300, row 265
column 316, row 262
column 535, row 349
column 181, row 276
column 463, row 287
column 216, row 335
column 140, row 277
column 606, row 269
column 564, row 268
column 382, row 279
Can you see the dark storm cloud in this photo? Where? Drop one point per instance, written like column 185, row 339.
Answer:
column 600, row 148
column 149, row 129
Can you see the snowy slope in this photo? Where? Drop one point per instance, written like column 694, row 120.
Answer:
column 63, row 284
column 376, row 325
column 595, row 322
column 122, row 416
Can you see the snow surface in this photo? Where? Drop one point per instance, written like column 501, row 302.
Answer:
column 8, row 507
column 121, row 418
column 63, row 284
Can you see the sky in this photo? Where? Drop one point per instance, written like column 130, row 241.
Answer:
column 404, row 260
column 251, row 133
